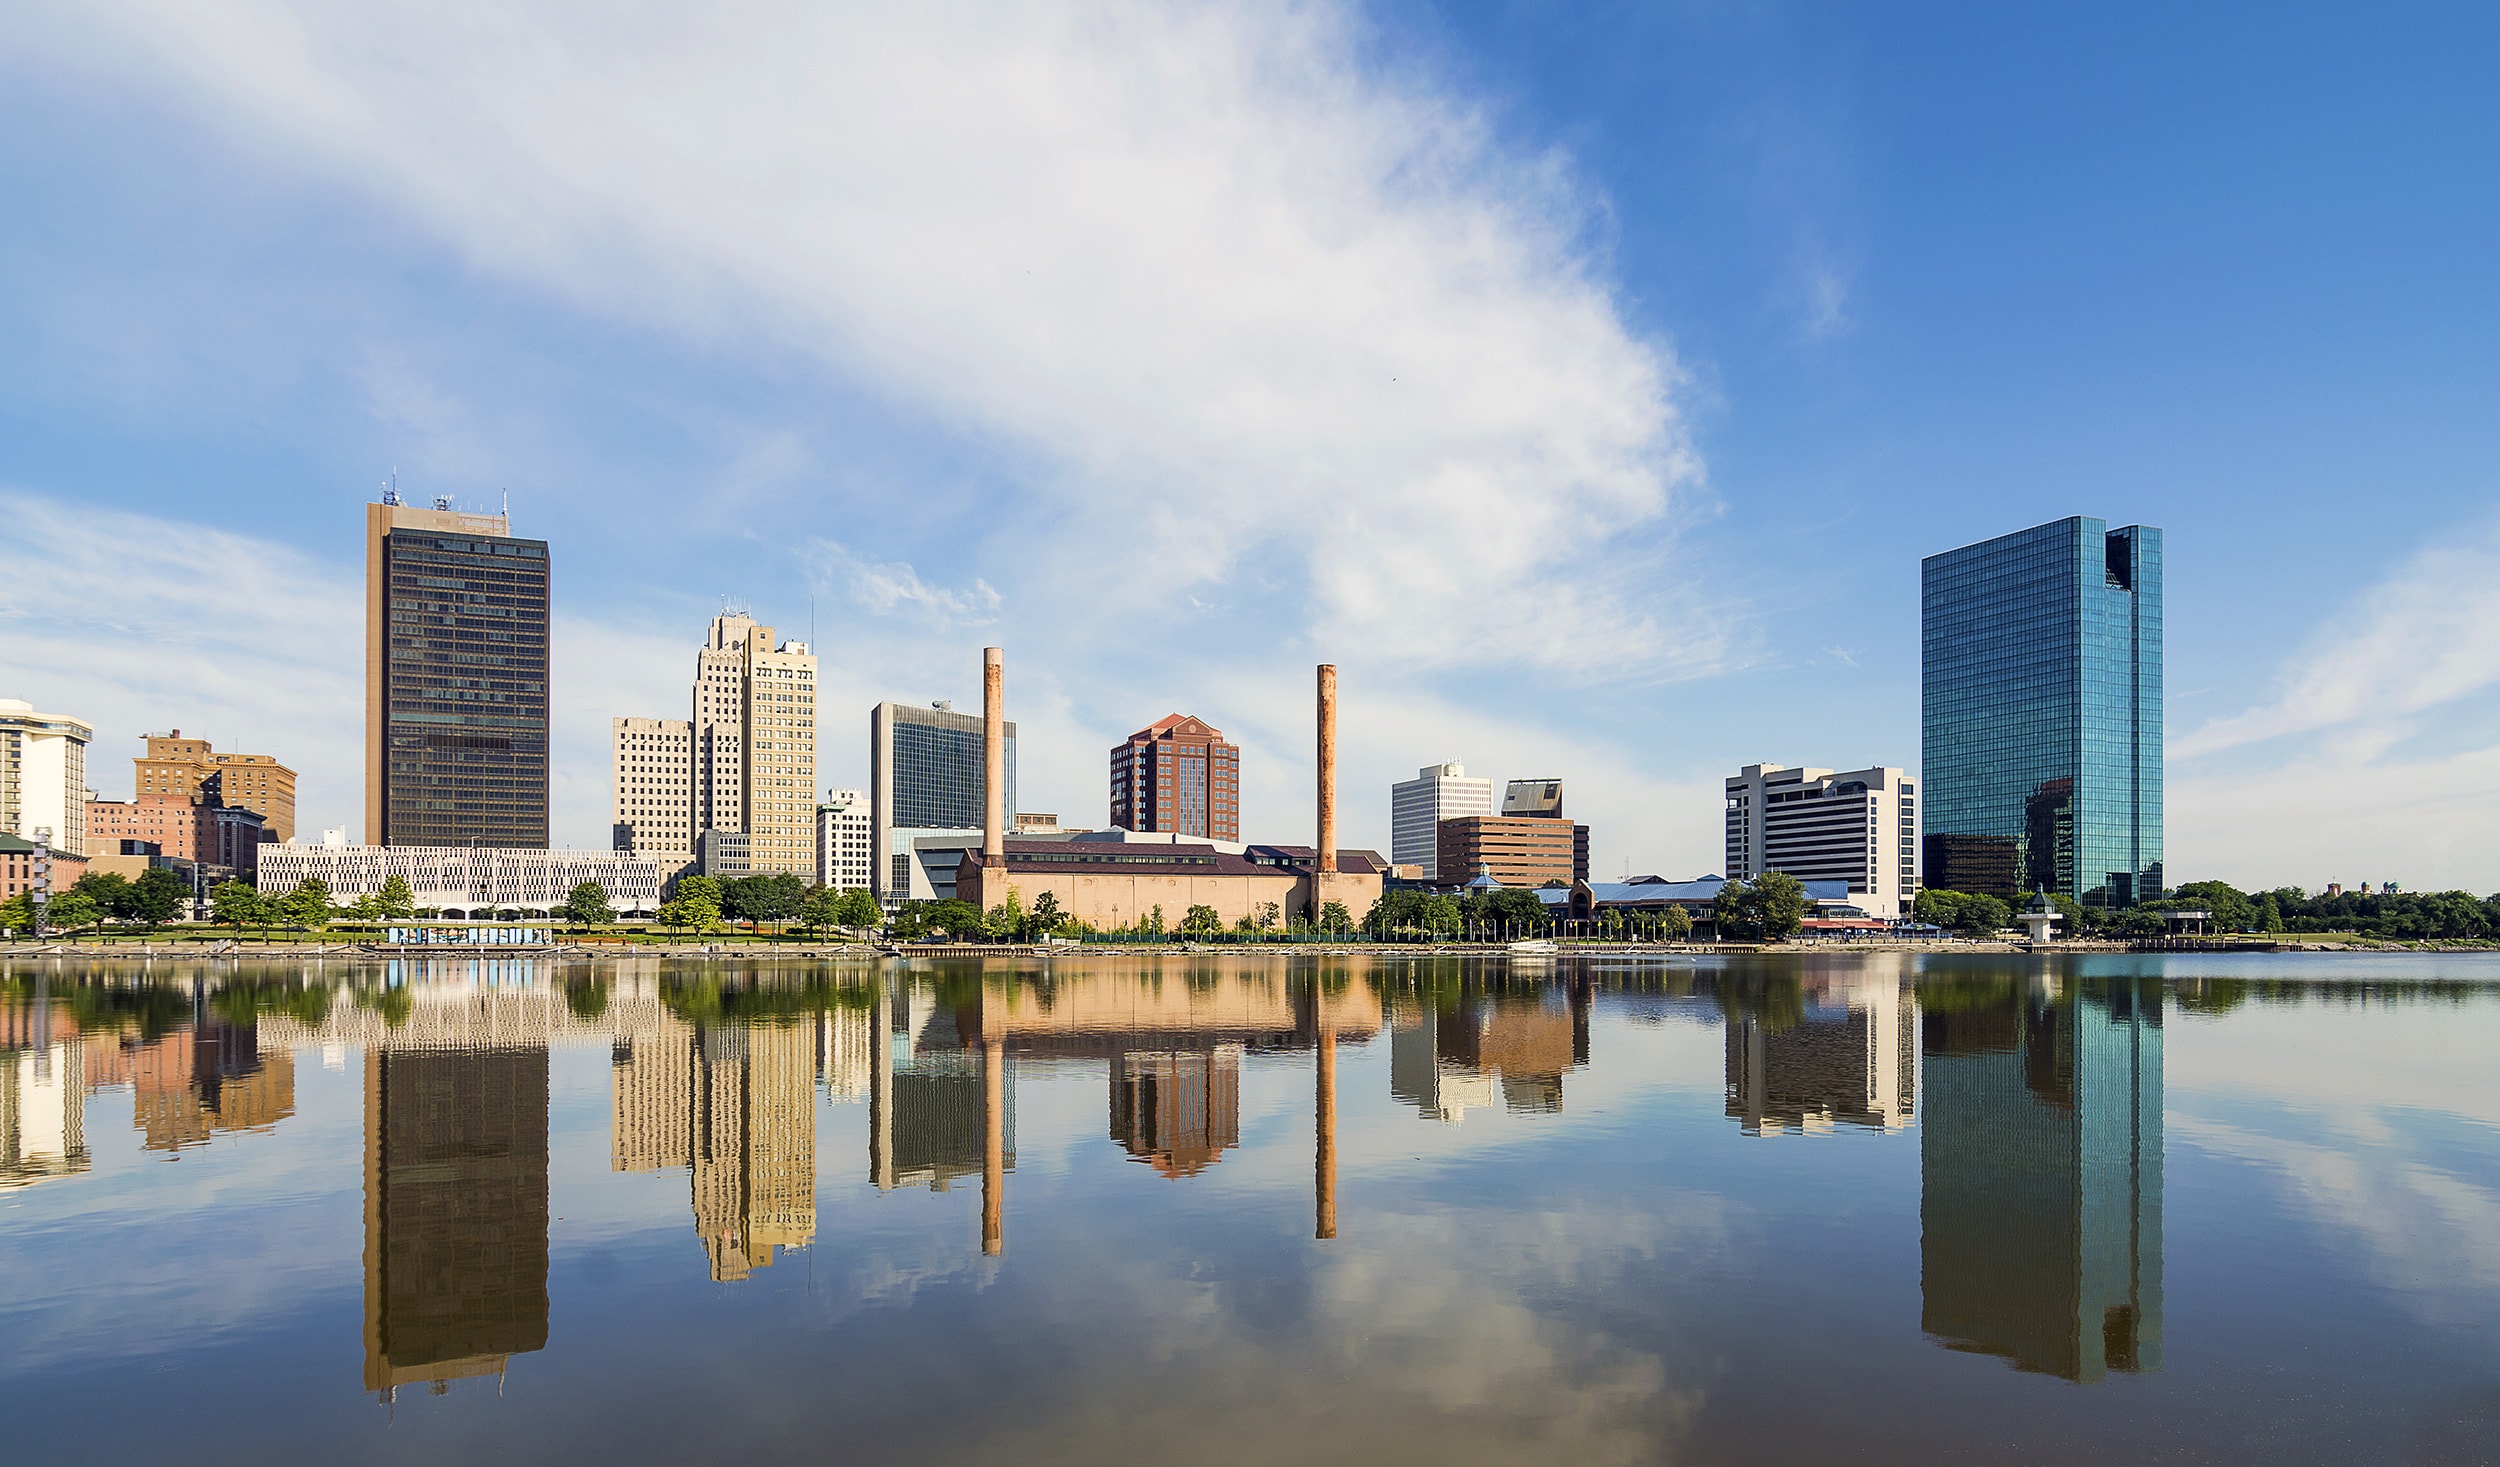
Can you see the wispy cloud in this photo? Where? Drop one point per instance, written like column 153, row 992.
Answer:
column 890, row 587
column 1238, row 302
column 2427, row 635
column 135, row 623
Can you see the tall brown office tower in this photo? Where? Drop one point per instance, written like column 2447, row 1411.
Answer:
column 455, row 679
column 1177, row 774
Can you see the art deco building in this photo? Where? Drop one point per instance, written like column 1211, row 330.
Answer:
column 1858, row 826
column 2043, row 714
column 456, row 690
column 2040, row 1165
column 754, row 744
column 1177, row 775
column 455, row 1212
column 1417, row 807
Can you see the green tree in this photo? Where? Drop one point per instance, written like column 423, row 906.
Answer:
column 17, row 914
column 108, row 890
column 238, row 904
column 1008, row 919
column 857, row 907
column 958, row 919
column 693, row 903
column 308, row 905
column 1153, row 925
column 1201, row 921
column 821, row 910
column 70, row 910
column 157, row 897
column 395, row 900
column 1975, row 915
column 587, row 905
column 1767, row 909
column 1047, row 917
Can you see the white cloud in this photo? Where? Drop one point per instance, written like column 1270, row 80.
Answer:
column 137, row 624
column 1249, row 310
column 885, row 588
column 2427, row 635
column 2368, row 763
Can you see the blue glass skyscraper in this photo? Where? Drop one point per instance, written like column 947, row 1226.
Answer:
column 2042, row 729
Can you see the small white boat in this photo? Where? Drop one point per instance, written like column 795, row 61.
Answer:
column 1534, row 947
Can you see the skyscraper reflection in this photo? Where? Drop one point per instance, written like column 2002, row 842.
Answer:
column 735, row 1105
column 1489, row 1048
column 1177, row 1110
column 455, row 1212
column 2041, row 1175
column 1846, row 1053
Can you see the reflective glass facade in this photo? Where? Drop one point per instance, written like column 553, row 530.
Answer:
column 2043, row 725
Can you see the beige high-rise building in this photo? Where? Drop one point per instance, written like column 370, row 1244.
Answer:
column 174, row 765
column 654, row 773
column 43, row 775
column 753, row 754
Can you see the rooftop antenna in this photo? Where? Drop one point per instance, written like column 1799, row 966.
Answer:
column 390, row 489
column 507, row 504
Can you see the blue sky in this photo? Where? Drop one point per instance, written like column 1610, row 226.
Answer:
column 1585, row 380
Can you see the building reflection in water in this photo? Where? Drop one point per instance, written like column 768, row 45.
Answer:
column 2041, row 1172
column 735, row 1106
column 43, row 1096
column 1510, row 1048
column 1845, row 1052
column 455, row 1212
column 1177, row 1110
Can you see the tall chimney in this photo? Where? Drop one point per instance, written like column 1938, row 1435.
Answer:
column 994, row 755
column 1327, row 767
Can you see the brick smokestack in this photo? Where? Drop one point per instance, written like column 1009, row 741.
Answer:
column 993, row 755
column 1327, row 767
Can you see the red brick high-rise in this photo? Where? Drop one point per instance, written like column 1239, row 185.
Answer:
column 1178, row 775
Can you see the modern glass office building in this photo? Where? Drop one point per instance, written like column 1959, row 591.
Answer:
column 927, row 775
column 2042, row 729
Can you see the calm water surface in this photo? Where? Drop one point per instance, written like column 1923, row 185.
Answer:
column 1873, row 1209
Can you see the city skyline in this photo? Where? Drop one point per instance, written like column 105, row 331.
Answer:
column 1769, row 282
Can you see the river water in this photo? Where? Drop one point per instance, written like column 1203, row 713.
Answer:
column 1877, row 1208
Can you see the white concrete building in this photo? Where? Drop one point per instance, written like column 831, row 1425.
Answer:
column 469, row 879
column 753, row 743
column 653, row 767
column 1417, row 807
column 843, row 830
column 1858, row 825
column 43, row 775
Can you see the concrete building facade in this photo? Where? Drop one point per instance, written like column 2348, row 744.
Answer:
column 652, row 765
column 1858, row 826
column 1417, row 807
column 43, row 775
column 456, row 679
column 844, row 833
column 1178, row 775
column 469, row 879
